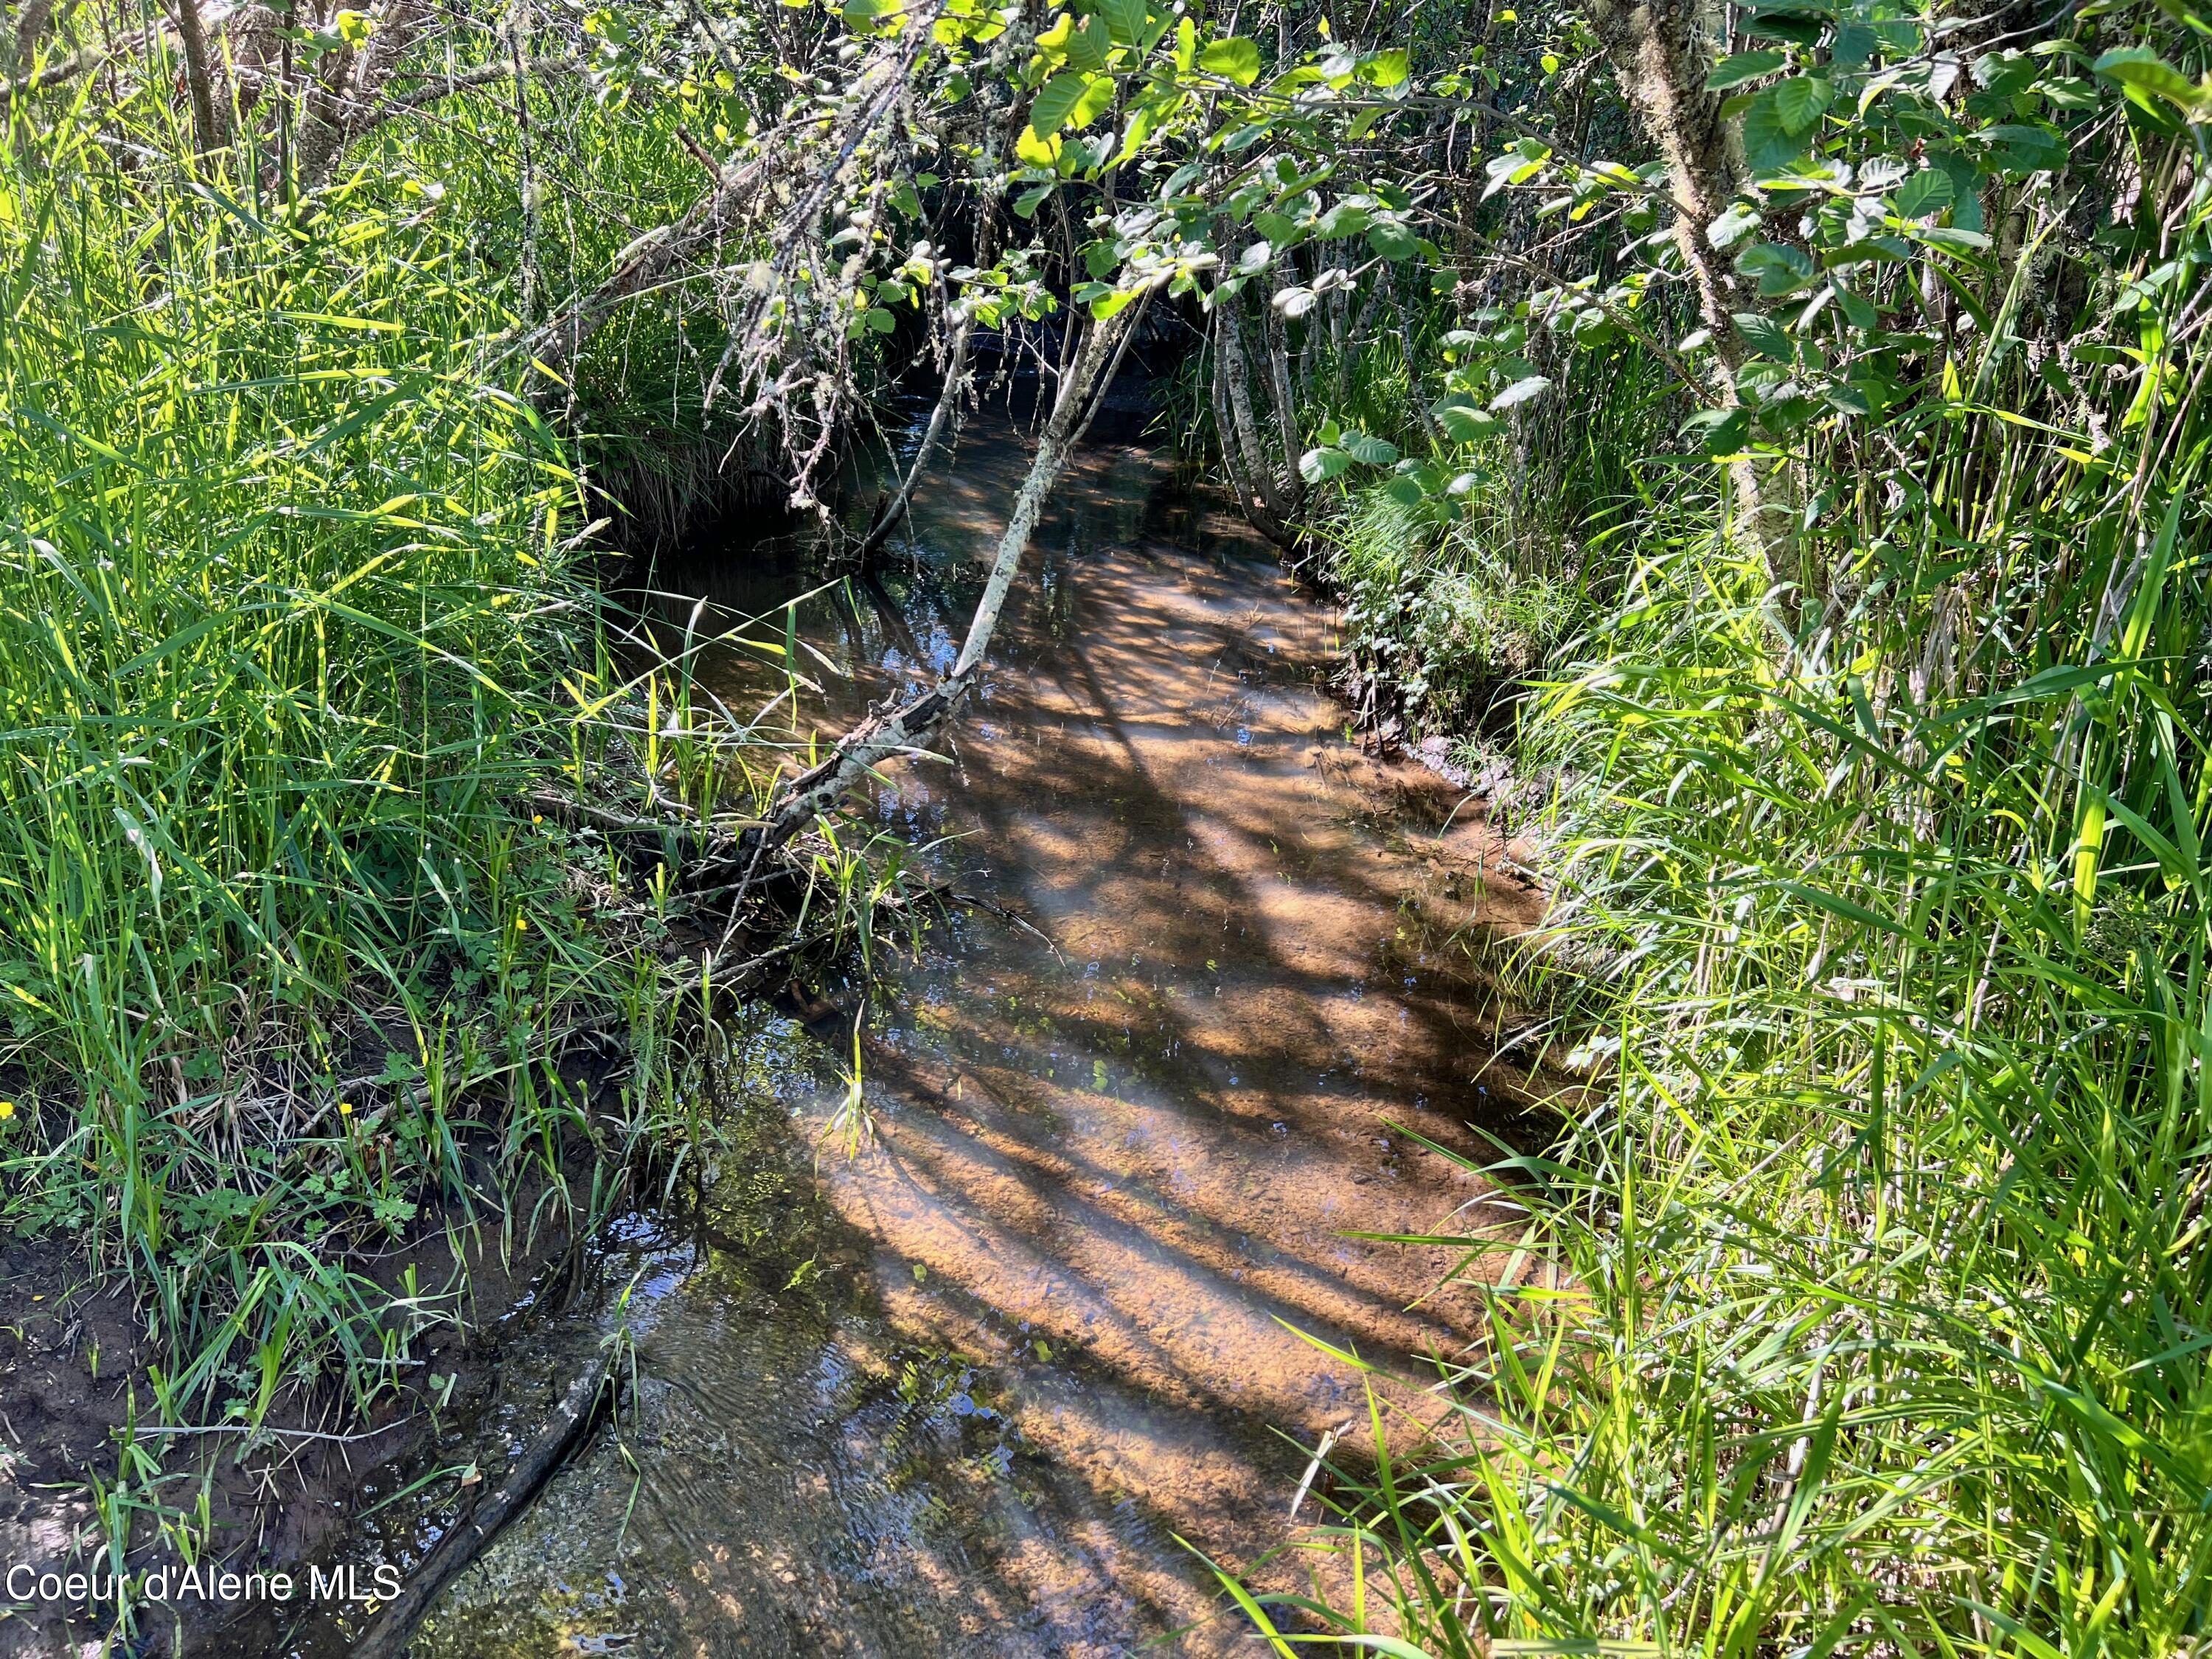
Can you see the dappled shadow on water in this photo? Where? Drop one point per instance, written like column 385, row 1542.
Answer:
column 1117, row 1151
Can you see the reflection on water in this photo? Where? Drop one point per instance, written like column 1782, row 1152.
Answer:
column 963, row 1393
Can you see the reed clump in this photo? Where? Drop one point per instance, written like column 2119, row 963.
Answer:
column 297, row 636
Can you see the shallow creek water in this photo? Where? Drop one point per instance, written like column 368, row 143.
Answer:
column 987, row 1385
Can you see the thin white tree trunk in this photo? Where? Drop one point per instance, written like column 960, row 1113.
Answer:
column 908, row 727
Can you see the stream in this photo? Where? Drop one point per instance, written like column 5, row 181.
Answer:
column 991, row 1365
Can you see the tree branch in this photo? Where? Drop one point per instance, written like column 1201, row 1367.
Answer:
column 909, row 727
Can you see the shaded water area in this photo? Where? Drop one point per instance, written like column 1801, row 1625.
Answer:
column 987, row 1384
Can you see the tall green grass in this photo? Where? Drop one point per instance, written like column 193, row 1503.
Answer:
column 296, row 629
column 1860, row 1307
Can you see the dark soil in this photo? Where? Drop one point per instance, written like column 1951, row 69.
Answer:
column 74, row 1375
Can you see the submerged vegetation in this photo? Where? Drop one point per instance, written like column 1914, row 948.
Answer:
column 1773, row 428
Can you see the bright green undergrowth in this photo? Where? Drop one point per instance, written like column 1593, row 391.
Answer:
column 294, row 625
column 1452, row 605
column 1860, row 1305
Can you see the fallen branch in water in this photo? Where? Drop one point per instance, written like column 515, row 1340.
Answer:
column 579, row 1406
column 909, row 727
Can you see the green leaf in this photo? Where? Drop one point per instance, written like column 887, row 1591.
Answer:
column 1088, row 45
column 1764, row 336
column 1055, row 102
column 2141, row 68
column 2025, row 147
column 1521, row 392
column 1719, row 432
column 1385, row 69
column 1098, row 98
column 1858, row 308
column 1237, row 59
column 1319, row 465
column 1463, row 423
column 2069, row 92
column 1855, row 45
column 1800, row 28
column 881, row 321
column 1126, row 18
column 1741, row 219
column 1342, row 220
column 1280, row 230
column 1393, row 240
column 1798, row 102
column 1406, row 491
column 1368, row 450
column 1743, row 66
column 1926, row 191
column 1780, row 269
column 1768, row 144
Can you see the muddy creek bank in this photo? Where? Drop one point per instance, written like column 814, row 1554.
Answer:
column 965, row 1389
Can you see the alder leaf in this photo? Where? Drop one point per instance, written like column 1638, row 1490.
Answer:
column 1764, row 336
column 1799, row 100
column 1319, row 465
column 1237, row 59
column 1743, row 66
column 1926, row 191
column 1368, row 450
column 1055, row 102
column 1088, row 46
column 1126, row 18
column 1768, row 144
column 1533, row 385
column 1463, row 424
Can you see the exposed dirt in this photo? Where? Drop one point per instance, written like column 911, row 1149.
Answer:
column 73, row 1375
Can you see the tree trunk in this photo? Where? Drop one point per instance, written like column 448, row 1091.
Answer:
column 1260, row 491
column 1290, row 484
column 30, row 24
column 199, row 79
column 1249, row 501
column 1660, row 50
column 339, row 109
